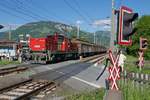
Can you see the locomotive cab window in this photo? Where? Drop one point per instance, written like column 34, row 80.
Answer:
column 60, row 40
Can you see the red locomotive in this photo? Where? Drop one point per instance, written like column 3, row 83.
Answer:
column 57, row 47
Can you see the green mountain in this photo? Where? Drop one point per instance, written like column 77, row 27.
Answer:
column 43, row 28
column 103, row 37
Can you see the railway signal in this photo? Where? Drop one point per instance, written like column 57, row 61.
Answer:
column 125, row 25
column 143, row 43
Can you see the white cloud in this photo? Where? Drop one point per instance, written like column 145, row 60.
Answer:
column 105, row 22
column 108, row 28
column 79, row 21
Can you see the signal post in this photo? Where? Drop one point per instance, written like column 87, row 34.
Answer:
column 125, row 29
column 143, row 47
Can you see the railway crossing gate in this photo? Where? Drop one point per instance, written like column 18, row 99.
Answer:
column 141, row 59
column 125, row 29
column 114, row 71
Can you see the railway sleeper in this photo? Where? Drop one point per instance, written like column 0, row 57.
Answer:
column 14, row 93
column 15, row 86
column 12, row 70
column 6, row 97
column 35, row 91
column 43, row 93
column 21, row 91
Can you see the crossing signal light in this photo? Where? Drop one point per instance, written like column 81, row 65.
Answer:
column 143, row 43
column 125, row 25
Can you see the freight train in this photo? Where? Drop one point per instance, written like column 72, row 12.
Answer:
column 54, row 48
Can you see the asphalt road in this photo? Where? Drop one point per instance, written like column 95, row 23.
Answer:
column 73, row 76
column 79, row 76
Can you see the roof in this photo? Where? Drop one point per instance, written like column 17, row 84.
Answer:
column 7, row 42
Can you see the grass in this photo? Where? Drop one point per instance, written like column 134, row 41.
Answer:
column 132, row 92
column 7, row 62
column 130, row 65
column 93, row 95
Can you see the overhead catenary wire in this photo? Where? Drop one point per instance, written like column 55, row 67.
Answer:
column 12, row 14
column 20, row 9
column 83, row 11
column 10, row 8
column 28, row 8
column 15, row 5
column 76, row 11
column 43, row 9
column 39, row 8
column 48, row 11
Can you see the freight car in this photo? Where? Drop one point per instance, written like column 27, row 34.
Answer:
column 58, row 47
column 88, row 49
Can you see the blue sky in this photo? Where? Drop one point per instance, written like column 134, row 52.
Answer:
column 18, row 12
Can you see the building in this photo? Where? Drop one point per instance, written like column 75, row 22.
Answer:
column 8, row 49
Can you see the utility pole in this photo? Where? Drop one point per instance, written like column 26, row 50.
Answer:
column 100, row 43
column 9, row 32
column 112, row 27
column 78, row 29
column 94, row 38
column 9, row 40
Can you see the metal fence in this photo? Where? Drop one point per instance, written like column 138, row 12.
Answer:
column 140, row 77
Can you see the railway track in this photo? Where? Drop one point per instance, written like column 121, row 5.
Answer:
column 33, row 89
column 10, row 70
column 18, row 69
column 98, row 59
column 28, row 90
column 90, row 59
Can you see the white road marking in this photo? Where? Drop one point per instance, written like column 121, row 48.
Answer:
column 60, row 72
column 77, row 78
column 50, row 68
column 84, row 81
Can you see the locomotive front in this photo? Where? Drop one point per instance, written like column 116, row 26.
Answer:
column 38, row 49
